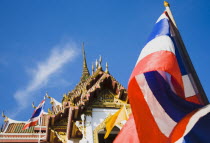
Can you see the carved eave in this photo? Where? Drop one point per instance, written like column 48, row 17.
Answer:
column 99, row 90
column 100, row 82
column 81, row 93
column 82, row 88
column 85, row 96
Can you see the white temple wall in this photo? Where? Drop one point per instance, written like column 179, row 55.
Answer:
column 98, row 116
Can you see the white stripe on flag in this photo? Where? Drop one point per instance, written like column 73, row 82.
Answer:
column 34, row 119
column 40, row 105
column 163, row 16
column 188, row 88
column 164, row 122
column 160, row 43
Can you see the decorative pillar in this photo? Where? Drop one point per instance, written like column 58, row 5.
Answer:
column 89, row 129
column 84, row 127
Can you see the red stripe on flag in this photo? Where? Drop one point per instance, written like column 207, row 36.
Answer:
column 147, row 129
column 194, row 99
column 27, row 125
column 162, row 61
column 179, row 129
column 145, row 123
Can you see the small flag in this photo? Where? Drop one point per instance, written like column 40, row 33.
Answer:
column 36, row 115
column 115, row 119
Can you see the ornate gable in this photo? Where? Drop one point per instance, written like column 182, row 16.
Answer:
column 99, row 90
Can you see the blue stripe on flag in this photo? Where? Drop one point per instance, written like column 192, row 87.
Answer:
column 200, row 132
column 37, row 112
column 160, row 28
column 167, row 98
column 179, row 59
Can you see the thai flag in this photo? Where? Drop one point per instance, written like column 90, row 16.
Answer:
column 36, row 116
column 160, row 85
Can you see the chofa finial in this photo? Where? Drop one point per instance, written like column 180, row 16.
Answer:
column 47, row 95
column 2, row 114
column 33, row 105
column 166, row 4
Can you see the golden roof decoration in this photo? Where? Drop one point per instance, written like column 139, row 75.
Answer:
column 106, row 71
column 92, row 68
column 85, row 71
column 33, row 105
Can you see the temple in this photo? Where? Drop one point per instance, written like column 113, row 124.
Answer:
column 80, row 116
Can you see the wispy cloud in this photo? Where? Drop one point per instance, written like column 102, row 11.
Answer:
column 59, row 56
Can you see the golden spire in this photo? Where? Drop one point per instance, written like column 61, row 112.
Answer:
column 85, row 71
column 166, row 4
column 83, row 54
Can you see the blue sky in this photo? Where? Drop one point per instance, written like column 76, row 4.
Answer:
column 40, row 43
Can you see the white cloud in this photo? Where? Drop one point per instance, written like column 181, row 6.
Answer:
column 59, row 56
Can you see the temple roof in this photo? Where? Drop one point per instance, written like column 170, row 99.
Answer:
column 90, row 83
column 17, row 128
column 89, row 87
column 98, row 90
column 85, row 88
column 12, row 131
column 14, row 126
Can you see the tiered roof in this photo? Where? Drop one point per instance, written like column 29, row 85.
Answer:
column 17, row 128
column 99, row 90
column 12, row 131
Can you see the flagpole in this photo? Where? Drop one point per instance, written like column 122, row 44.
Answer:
column 167, row 6
column 40, row 122
column 184, row 53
